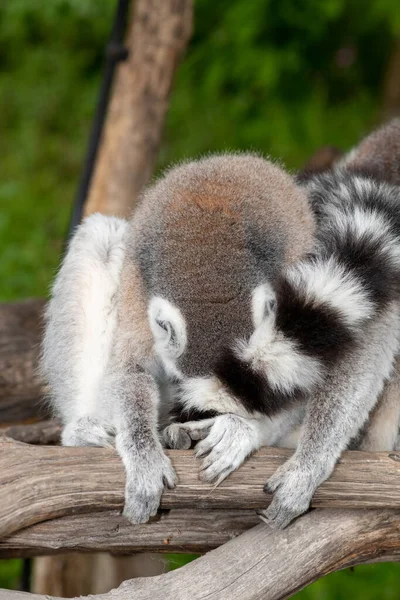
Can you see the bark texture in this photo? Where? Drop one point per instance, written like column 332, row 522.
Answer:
column 263, row 564
column 156, row 41
column 38, row 483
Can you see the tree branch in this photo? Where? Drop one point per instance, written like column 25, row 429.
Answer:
column 20, row 385
column 38, row 483
column 42, row 433
column 180, row 530
column 270, row 565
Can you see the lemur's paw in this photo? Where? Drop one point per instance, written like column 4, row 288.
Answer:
column 87, row 431
column 145, row 482
column 175, row 436
column 181, row 435
column 292, row 487
column 230, row 441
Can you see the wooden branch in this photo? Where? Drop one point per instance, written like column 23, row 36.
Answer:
column 20, row 385
column 43, row 433
column 156, row 40
column 270, row 565
column 181, row 530
column 38, row 483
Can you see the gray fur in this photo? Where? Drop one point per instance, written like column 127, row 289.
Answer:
column 207, row 233
column 203, row 238
column 378, row 153
column 195, row 242
column 345, row 405
column 334, row 415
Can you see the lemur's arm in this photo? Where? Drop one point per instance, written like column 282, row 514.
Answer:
column 359, row 229
column 132, row 395
column 335, row 414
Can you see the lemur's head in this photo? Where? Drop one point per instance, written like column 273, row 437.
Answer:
column 205, row 236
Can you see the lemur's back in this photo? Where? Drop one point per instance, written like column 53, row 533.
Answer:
column 208, row 233
column 379, row 153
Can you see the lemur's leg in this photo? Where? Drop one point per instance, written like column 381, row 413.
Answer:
column 81, row 317
column 135, row 396
column 132, row 396
column 335, row 414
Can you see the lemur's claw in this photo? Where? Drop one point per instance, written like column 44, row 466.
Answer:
column 292, row 487
column 144, row 486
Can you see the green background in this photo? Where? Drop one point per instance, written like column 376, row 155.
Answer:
column 279, row 76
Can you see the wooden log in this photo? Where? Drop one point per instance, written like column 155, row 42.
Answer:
column 38, row 483
column 43, row 433
column 263, row 564
column 181, row 530
column 156, row 41
column 20, row 385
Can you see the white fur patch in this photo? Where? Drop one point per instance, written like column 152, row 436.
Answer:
column 329, row 282
column 207, row 393
column 261, row 296
column 269, row 352
column 168, row 328
column 82, row 315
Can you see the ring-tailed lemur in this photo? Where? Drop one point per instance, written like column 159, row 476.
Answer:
column 293, row 371
column 323, row 348
column 153, row 301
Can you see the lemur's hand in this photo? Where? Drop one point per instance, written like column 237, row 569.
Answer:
column 180, row 436
column 292, row 486
column 147, row 474
column 230, row 441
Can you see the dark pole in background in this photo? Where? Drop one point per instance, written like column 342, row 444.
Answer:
column 115, row 52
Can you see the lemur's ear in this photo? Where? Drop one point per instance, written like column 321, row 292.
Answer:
column 263, row 303
column 168, row 327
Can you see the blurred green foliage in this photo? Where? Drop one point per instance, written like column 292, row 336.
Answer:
column 10, row 573
column 283, row 77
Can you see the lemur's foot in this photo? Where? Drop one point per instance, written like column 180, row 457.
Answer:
column 87, row 431
column 146, row 478
column 230, row 441
column 180, row 436
column 292, row 486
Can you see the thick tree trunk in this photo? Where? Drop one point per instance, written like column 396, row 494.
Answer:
column 156, row 40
